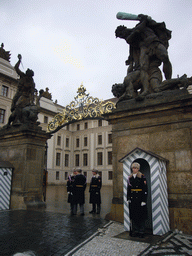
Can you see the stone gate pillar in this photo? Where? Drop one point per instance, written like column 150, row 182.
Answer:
column 24, row 148
column 161, row 124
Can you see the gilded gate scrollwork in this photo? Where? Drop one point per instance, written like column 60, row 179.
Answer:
column 83, row 107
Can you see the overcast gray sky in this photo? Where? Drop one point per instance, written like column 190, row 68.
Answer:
column 67, row 43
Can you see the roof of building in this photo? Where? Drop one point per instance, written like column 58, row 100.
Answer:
column 147, row 152
column 5, row 164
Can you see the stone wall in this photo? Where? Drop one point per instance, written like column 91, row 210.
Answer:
column 162, row 125
column 25, row 150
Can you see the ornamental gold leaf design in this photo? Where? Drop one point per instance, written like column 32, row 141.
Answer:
column 83, row 107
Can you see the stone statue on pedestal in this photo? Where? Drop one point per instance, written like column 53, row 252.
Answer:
column 4, row 54
column 22, row 143
column 148, row 43
column 24, row 108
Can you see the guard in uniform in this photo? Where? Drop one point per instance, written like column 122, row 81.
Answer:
column 70, row 181
column 94, row 190
column 137, row 198
column 79, row 186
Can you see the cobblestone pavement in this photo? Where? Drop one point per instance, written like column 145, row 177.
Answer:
column 105, row 243
column 112, row 240
column 174, row 243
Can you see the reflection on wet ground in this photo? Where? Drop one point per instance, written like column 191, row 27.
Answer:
column 51, row 231
column 44, row 233
column 56, row 200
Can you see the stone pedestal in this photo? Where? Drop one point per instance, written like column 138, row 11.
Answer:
column 160, row 124
column 24, row 148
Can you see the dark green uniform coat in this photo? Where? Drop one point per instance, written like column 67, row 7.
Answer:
column 79, row 186
column 70, row 181
column 137, row 193
column 95, row 187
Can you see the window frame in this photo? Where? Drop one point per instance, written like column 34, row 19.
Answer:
column 100, row 123
column 85, row 141
column 59, row 140
column 100, row 139
column 99, row 158
column 85, row 159
column 45, row 120
column 66, row 160
column 86, row 125
column 109, row 138
column 110, row 175
column 4, row 91
column 67, row 142
column 77, row 159
column 57, row 175
column 77, row 142
column 109, row 158
column 2, row 115
column 58, row 159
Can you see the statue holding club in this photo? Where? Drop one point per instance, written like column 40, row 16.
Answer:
column 148, row 43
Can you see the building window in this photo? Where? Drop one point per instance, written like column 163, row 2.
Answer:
column 45, row 120
column 100, row 122
column 109, row 138
column 67, row 142
column 99, row 158
column 110, row 175
column 2, row 116
column 4, row 91
column 77, row 142
column 59, row 140
column 78, row 127
column 86, row 125
column 85, row 159
column 109, row 157
column 99, row 139
column 66, row 160
column 85, row 141
column 77, row 160
column 66, row 175
column 58, row 159
column 57, row 175
column 68, row 127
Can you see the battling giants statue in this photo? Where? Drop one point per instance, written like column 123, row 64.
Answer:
column 148, row 43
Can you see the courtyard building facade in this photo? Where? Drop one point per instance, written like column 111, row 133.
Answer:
column 84, row 144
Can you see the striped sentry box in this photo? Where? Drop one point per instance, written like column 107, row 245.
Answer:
column 5, row 187
column 159, row 194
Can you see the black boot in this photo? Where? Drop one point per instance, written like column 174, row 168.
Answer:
column 98, row 209
column 93, row 209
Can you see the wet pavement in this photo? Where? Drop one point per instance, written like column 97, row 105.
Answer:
column 56, row 199
column 54, row 232
column 50, row 231
column 45, row 233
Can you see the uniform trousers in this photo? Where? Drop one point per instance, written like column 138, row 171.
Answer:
column 81, row 208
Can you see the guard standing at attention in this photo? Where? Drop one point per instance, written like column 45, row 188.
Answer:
column 70, row 181
column 94, row 190
column 137, row 198
column 79, row 186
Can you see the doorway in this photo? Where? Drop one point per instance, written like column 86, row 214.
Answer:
column 154, row 168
